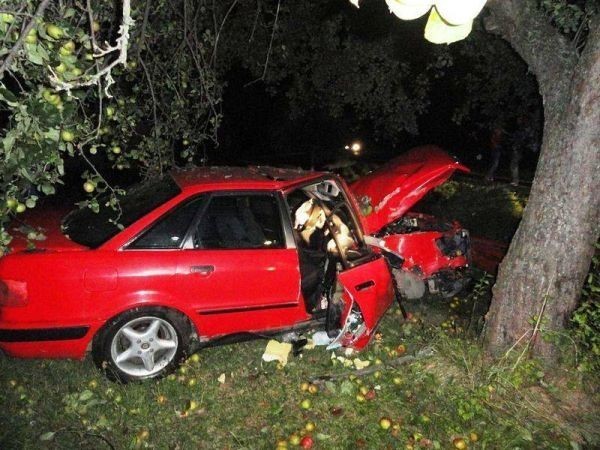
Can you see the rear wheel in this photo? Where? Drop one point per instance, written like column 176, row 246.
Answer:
column 142, row 343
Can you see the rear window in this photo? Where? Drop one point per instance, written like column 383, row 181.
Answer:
column 91, row 229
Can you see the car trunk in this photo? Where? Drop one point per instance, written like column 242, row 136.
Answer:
column 46, row 223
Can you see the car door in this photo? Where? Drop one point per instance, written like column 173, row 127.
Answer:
column 239, row 271
column 363, row 277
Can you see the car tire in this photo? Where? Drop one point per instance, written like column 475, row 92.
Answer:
column 142, row 343
column 410, row 285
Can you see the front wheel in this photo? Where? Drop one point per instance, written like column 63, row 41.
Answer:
column 142, row 343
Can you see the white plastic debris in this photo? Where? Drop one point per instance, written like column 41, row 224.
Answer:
column 321, row 338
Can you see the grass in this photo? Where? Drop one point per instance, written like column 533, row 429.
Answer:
column 449, row 391
column 490, row 210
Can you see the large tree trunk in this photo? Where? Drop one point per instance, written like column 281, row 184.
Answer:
column 549, row 256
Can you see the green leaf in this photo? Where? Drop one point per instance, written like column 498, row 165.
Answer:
column 85, row 395
column 34, row 55
column 52, row 134
column 48, row 436
column 8, row 141
column 47, row 189
column 8, row 97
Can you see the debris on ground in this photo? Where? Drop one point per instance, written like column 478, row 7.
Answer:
column 277, row 351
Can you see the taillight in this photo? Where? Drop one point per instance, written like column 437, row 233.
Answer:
column 13, row 293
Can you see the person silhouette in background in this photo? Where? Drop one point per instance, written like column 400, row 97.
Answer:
column 496, row 151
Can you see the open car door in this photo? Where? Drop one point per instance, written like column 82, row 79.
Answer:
column 368, row 292
column 363, row 288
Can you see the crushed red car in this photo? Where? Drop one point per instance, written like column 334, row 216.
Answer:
column 198, row 257
column 436, row 253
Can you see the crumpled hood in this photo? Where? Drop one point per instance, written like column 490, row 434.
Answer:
column 47, row 221
column 390, row 191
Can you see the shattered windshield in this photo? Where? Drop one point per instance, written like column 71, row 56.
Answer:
column 92, row 229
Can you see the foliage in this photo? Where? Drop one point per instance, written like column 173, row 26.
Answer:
column 54, row 103
column 586, row 319
column 496, row 218
column 326, row 64
column 571, row 16
column 498, row 90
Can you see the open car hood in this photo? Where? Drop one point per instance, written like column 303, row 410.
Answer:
column 387, row 193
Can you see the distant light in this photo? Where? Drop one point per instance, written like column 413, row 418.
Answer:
column 356, row 147
column 347, row 147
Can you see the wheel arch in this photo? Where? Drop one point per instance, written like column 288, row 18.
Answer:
column 167, row 306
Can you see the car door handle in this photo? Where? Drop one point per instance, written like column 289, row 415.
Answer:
column 202, row 270
column 365, row 285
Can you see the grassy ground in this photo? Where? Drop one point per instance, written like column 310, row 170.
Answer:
column 428, row 376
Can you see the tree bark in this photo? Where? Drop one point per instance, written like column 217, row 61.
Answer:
column 549, row 256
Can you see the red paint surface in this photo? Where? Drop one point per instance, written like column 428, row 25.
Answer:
column 395, row 187
column 250, row 290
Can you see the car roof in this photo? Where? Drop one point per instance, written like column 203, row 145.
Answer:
column 253, row 177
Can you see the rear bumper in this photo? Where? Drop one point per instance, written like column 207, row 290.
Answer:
column 42, row 334
column 64, row 342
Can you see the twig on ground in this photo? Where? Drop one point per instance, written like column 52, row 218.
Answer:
column 423, row 353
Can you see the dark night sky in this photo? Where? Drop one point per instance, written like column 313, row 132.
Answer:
column 252, row 116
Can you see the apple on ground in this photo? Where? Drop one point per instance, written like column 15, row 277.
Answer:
column 306, row 442
column 305, row 404
column 459, row 443
column 385, row 423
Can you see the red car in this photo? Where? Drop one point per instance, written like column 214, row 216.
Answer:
column 197, row 257
column 436, row 253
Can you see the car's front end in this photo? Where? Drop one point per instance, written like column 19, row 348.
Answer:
column 436, row 253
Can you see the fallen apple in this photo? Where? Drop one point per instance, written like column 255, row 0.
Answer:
column 313, row 389
column 473, row 437
column 21, row 207
column 305, row 404
column 304, row 386
column 306, row 442
column 459, row 443
column 310, row 426
column 385, row 423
